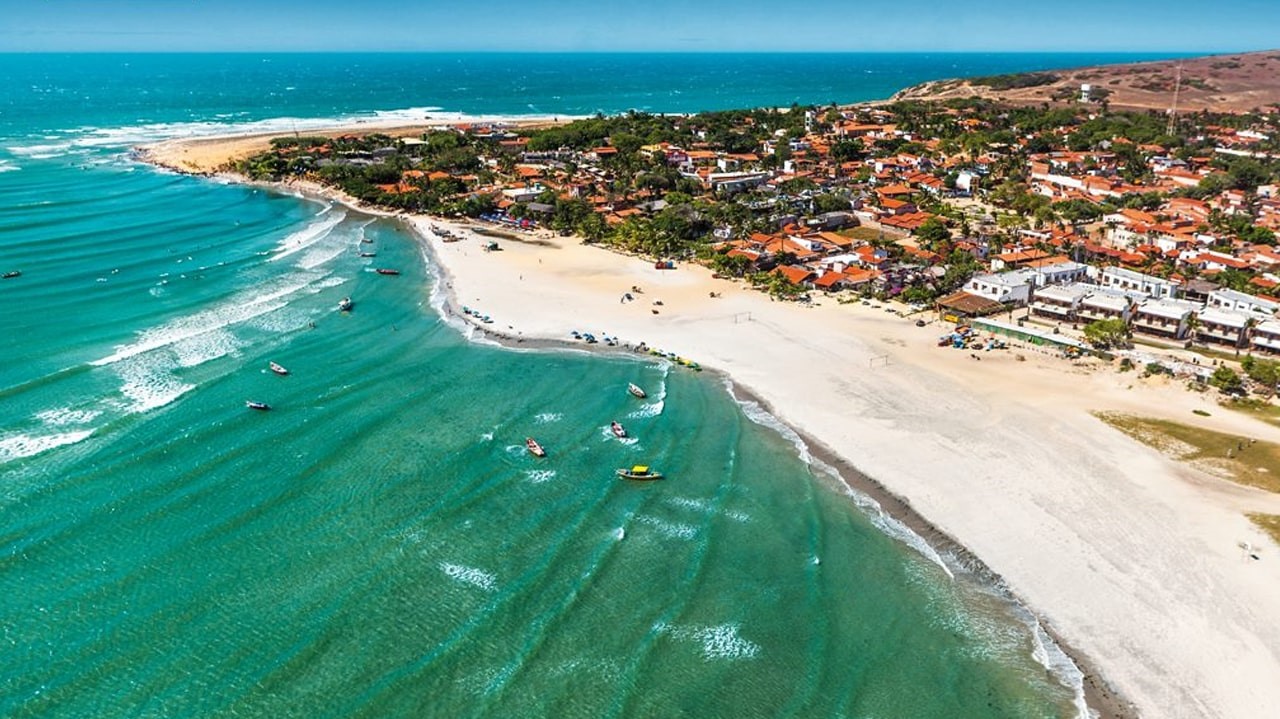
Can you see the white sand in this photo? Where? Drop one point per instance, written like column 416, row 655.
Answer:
column 1130, row 558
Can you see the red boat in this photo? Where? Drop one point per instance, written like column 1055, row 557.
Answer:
column 535, row 448
column 386, row 271
column 618, row 430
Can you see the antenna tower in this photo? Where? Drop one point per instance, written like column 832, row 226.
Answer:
column 1173, row 110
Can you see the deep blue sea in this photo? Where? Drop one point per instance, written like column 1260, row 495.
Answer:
column 380, row 544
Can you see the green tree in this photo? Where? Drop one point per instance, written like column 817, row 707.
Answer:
column 1106, row 333
column 933, row 232
column 1226, row 379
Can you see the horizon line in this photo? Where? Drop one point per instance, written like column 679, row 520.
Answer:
column 637, row 52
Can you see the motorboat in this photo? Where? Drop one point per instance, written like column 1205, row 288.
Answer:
column 277, row 368
column 618, row 430
column 368, row 254
column 635, row 390
column 12, row 274
column 639, row 472
column 387, row 271
column 345, row 304
column 263, row 406
column 534, row 448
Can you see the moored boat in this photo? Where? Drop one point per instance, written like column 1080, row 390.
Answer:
column 368, row 254
column 12, row 273
column 534, row 448
column 387, row 271
column 263, row 406
column 640, row 472
column 635, row 390
column 345, row 304
column 277, row 368
column 618, row 430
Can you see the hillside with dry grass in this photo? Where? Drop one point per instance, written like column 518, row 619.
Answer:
column 1235, row 83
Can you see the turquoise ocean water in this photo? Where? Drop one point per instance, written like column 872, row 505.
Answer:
column 380, row 544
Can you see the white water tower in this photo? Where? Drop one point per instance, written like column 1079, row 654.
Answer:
column 1085, row 91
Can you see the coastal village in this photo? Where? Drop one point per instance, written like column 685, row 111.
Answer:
column 1074, row 227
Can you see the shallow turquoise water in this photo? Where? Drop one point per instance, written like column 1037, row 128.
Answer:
column 380, row 544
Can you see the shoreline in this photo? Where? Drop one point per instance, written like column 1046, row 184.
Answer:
column 901, row 498
column 1102, row 701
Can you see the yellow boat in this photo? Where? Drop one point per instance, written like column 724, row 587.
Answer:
column 639, row 471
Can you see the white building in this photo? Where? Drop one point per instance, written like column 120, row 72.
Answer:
column 1166, row 318
column 1059, row 302
column 1223, row 326
column 1266, row 336
column 1104, row 304
column 1007, row 287
column 1127, row 280
column 1241, row 302
column 1059, row 272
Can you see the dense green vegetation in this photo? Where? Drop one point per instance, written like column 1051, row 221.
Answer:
column 454, row 174
column 1015, row 80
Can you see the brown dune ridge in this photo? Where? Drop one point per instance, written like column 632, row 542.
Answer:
column 1239, row 82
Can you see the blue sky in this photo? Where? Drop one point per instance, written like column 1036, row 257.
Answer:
column 639, row 25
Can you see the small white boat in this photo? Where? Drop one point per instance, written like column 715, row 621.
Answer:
column 534, row 448
column 345, row 304
column 278, row 369
column 618, row 430
column 262, row 406
column 635, row 390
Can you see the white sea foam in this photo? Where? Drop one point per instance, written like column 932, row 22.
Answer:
column 721, row 641
column 699, row 505
column 285, row 320
column 1050, row 656
column 195, row 351
column 18, row 446
column 85, row 138
column 538, row 476
column 548, row 417
column 64, row 416
column 649, row 409
column 7, row 166
column 705, row 506
column 880, row 518
column 470, row 575
column 327, row 282
column 675, row 530
column 307, row 236
column 41, row 152
column 238, row 309
column 148, row 384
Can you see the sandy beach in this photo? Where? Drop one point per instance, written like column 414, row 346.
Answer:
column 1132, row 559
column 208, row 154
